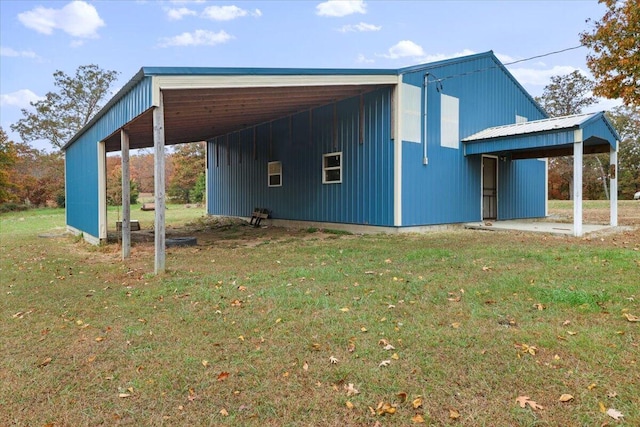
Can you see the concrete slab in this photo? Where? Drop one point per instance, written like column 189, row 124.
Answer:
column 557, row 228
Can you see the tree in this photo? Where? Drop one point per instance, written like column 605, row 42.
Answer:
column 114, row 188
column 188, row 164
column 565, row 95
column 627, row 122
column 61, row 114
column 8, row 158
column 568, row 94
column 615, row 60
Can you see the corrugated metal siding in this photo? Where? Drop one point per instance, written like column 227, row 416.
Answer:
column 555, row 139
column 447, row 190
column 599, row 128
column 238, row 178
column 520, row 196
column 81, row 177
column 81, row 158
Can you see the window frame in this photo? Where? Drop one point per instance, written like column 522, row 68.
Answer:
column 270, row 174
column 326, row 168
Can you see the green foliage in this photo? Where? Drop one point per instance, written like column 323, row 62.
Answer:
column 197, row 193
column 7, row 160
column 114, row 188
column 627, row 122
column 568, row 94
column 615, row 59
column 61, row 114
column 188, row 165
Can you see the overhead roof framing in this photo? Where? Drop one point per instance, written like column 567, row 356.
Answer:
column 203, row 106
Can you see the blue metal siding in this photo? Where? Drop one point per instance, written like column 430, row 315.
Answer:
column 81, row 178
column 515, row 143
column 81, row 157
column 238, row 179
column 521, row 194
column 448, row 189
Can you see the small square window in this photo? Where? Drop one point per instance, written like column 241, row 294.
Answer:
column 274, row 174
column 332, row 168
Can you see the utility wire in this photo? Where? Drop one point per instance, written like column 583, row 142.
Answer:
column 505, row 64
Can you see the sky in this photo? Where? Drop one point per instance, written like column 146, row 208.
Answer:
column 37, row 38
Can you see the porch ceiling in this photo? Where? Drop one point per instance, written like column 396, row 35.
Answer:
column 198, row 114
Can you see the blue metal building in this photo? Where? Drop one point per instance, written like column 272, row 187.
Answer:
column 454, row 141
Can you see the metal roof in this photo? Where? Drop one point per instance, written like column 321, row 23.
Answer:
column 545, row 138
column 544, row 125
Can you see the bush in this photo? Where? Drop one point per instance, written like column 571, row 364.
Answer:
column 60, row 199
column 12, row 207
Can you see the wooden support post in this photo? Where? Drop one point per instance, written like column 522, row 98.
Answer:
column 577, row 184
column 126, row 196
column 613, row 185
column 158, row 143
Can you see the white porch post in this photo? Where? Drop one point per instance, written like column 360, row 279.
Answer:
column 397, row 155
column 577, row 183
column 158, row 143
column 126, row 199
column 613, row 186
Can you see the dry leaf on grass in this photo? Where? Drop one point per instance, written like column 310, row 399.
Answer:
column 526, row 400
column 384, row 363
column 385, row 408
column 566, row 398
column 45, row 362
column 615, row 414
column 453, row 414
column 351, row 390
column 224, row 412
column 223, row 376
column 349, row 405
column 631, row 317
column 305, row 366
column 417, row 402
column 402, row 396
column 418, row 419
column 333, row 360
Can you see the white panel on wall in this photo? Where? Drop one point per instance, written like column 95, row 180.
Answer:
column 449, row 121
column 521, row 119
column 411, row 111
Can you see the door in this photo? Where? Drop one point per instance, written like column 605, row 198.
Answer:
column 489, row 188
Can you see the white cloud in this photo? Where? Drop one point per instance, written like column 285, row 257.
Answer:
column 227, row 13
column 338, row 8
column 403, row 49
column 20, row 98
column 540, row 77
column 361, row 27
column 78, row 19
column 442, row 56
column 7, row 51
column 197, row 38
column 177, row 14
column 361, row 59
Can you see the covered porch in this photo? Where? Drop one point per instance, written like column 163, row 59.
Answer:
column 575, row 135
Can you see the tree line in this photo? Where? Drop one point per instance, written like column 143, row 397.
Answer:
column 33, row 177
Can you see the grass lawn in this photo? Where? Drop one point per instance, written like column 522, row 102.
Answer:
column 275, row 327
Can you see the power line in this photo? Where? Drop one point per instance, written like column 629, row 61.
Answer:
column 505, row 64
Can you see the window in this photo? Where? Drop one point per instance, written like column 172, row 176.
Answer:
column 449, row 121
column 274, row 172
column 332, row 168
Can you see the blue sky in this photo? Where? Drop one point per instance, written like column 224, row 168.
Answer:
column 39, row 37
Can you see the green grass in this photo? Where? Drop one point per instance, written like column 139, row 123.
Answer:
column 457, row 306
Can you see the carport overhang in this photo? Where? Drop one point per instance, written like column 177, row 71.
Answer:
column 574, row 135
column 199, row 104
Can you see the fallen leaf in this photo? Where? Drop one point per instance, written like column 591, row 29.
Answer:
column 486, row 268
column 402, row 396
column 566, row 322
column 45, row 362
column 417, row 402
column 205, row 363
column 98, row 339
column 455, row 325
column 333, row 360
column 395, row 356
column 223, row 376
column 603, row 408
column 349, row 405
column 242, row 288
column 363, row 329
column 344, row 309
column 389, row 347
column 383, row 342
column 351, row 390
column 385, row 363
column 418, row 419
column 612, row 394
column 591, row 386
column 305, row 366
column 526, row 400
column 453, row 414
column 539, row 306
column 224, row 412
column 615, row 414
column 124, row 395
column 572, row 333
column 566, row 398
column 385, row 408
column 631, row 317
